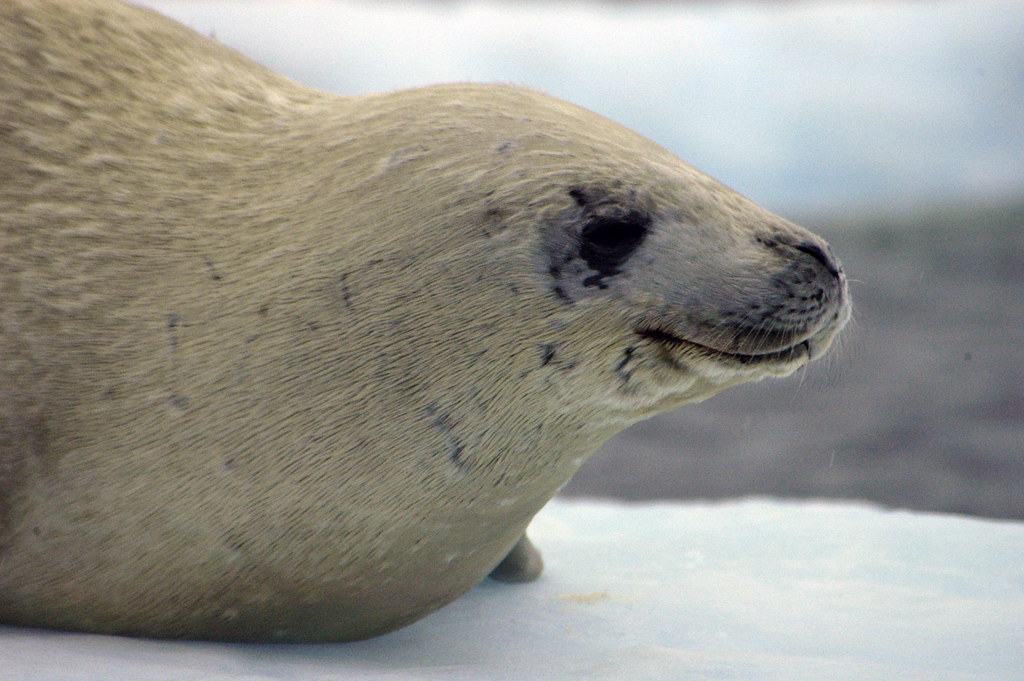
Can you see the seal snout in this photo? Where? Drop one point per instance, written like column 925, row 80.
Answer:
column 812, row 294
column 782, row 309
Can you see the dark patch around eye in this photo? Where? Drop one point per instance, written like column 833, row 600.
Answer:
column 606, row 242
column 595, row 238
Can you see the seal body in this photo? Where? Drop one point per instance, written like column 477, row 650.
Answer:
column 282, row 365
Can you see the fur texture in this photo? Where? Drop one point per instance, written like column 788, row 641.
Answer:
column 282, row 365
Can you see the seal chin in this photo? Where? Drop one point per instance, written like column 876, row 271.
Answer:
column 680, row 352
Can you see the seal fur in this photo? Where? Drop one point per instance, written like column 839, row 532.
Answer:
column 278, row 365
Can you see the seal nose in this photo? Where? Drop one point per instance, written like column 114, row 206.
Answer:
column 823, row 256
column 781, row 242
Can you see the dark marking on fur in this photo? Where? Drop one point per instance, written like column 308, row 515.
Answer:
column 443, row 422
column 178, row 402
column 214, row 275
column 343, row 291
column 493, row 219
column 173, row 322
column 235, row 542
column 555, row 271
column 620, row 368
column 579, row 195
column 548, row 353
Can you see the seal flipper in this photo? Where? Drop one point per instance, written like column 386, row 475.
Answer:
column 522, row 564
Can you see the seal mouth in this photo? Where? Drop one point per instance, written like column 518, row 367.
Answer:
column 674, row 345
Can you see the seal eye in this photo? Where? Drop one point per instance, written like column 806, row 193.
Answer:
column 607, row 241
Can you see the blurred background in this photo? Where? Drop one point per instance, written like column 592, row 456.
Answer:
column 895, row 130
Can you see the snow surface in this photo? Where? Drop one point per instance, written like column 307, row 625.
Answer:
column 758, row 590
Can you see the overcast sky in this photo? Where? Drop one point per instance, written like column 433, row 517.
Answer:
column 808, row 107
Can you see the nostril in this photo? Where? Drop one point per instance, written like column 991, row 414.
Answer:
column 819, row 254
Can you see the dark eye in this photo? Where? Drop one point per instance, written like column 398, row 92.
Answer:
column 607, row 241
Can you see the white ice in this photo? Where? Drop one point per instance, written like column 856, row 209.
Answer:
column 754, row 590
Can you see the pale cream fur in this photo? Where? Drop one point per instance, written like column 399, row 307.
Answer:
column 282, row 365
